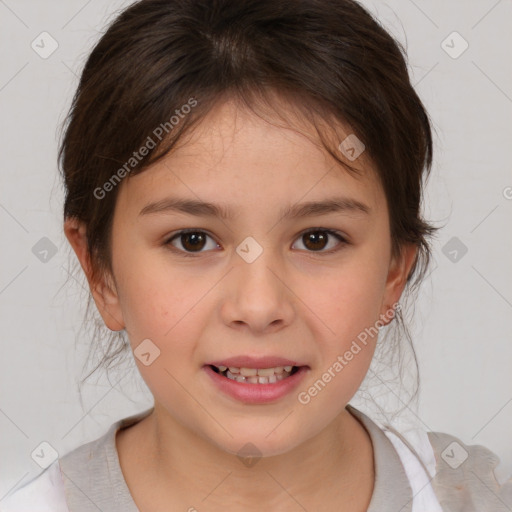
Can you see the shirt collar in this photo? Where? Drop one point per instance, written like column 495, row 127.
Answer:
column 392, row 490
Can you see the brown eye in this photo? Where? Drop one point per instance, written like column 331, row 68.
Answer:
column 191, row 241
column 316, row 240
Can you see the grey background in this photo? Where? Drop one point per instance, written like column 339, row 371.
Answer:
column 463, row 316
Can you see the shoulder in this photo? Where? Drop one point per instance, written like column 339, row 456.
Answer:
column 51, row 490
column 44, row 493
column 92, row 468
column 461, row 476
column 465, row 478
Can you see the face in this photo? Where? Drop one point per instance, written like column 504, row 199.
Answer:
column 255, row 284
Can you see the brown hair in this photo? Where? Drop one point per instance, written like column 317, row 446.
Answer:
column 328, row 59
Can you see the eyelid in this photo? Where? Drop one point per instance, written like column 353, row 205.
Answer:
column 341, row 237
column 177, row 234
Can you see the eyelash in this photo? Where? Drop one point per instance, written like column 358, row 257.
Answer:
column 336, row 234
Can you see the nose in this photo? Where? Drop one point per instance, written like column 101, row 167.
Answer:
column 257, row 296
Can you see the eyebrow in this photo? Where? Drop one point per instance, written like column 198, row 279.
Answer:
column 297, row 211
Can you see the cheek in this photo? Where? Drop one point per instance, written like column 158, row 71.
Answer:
column 348, row 305
column 353, row 295
column 168, row 313
column 158, row 302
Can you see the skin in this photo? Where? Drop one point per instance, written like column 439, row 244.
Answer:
column 292, row 301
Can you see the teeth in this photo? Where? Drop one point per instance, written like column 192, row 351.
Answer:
column 252, row 372
column 258, row 375
column 266, row 372
column 249, row 372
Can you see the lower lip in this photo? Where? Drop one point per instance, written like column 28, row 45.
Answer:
column 257, row 393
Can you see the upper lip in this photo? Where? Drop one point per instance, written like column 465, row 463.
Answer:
column 254, row 362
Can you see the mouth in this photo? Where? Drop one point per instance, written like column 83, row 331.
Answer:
column 255, row 375
column 256, row 380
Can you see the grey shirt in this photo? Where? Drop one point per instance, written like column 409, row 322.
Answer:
column 94, row 481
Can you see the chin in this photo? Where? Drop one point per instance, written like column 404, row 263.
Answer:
column 257, row 443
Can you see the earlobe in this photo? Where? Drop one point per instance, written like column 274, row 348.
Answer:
column 399, row 270
column 103, row 289
column 107, row 302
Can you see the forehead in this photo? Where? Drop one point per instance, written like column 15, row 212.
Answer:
column 234, row 156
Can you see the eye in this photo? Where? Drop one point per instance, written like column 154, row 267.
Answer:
column 191, row 241
column 194, row 240
column 316, row 239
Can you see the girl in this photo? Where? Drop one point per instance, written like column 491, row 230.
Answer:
column 243, row 190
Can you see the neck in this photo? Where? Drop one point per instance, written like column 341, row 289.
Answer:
column 337, row 462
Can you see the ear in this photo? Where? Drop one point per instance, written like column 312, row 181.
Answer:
column 399, row 269
column 103, row 289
